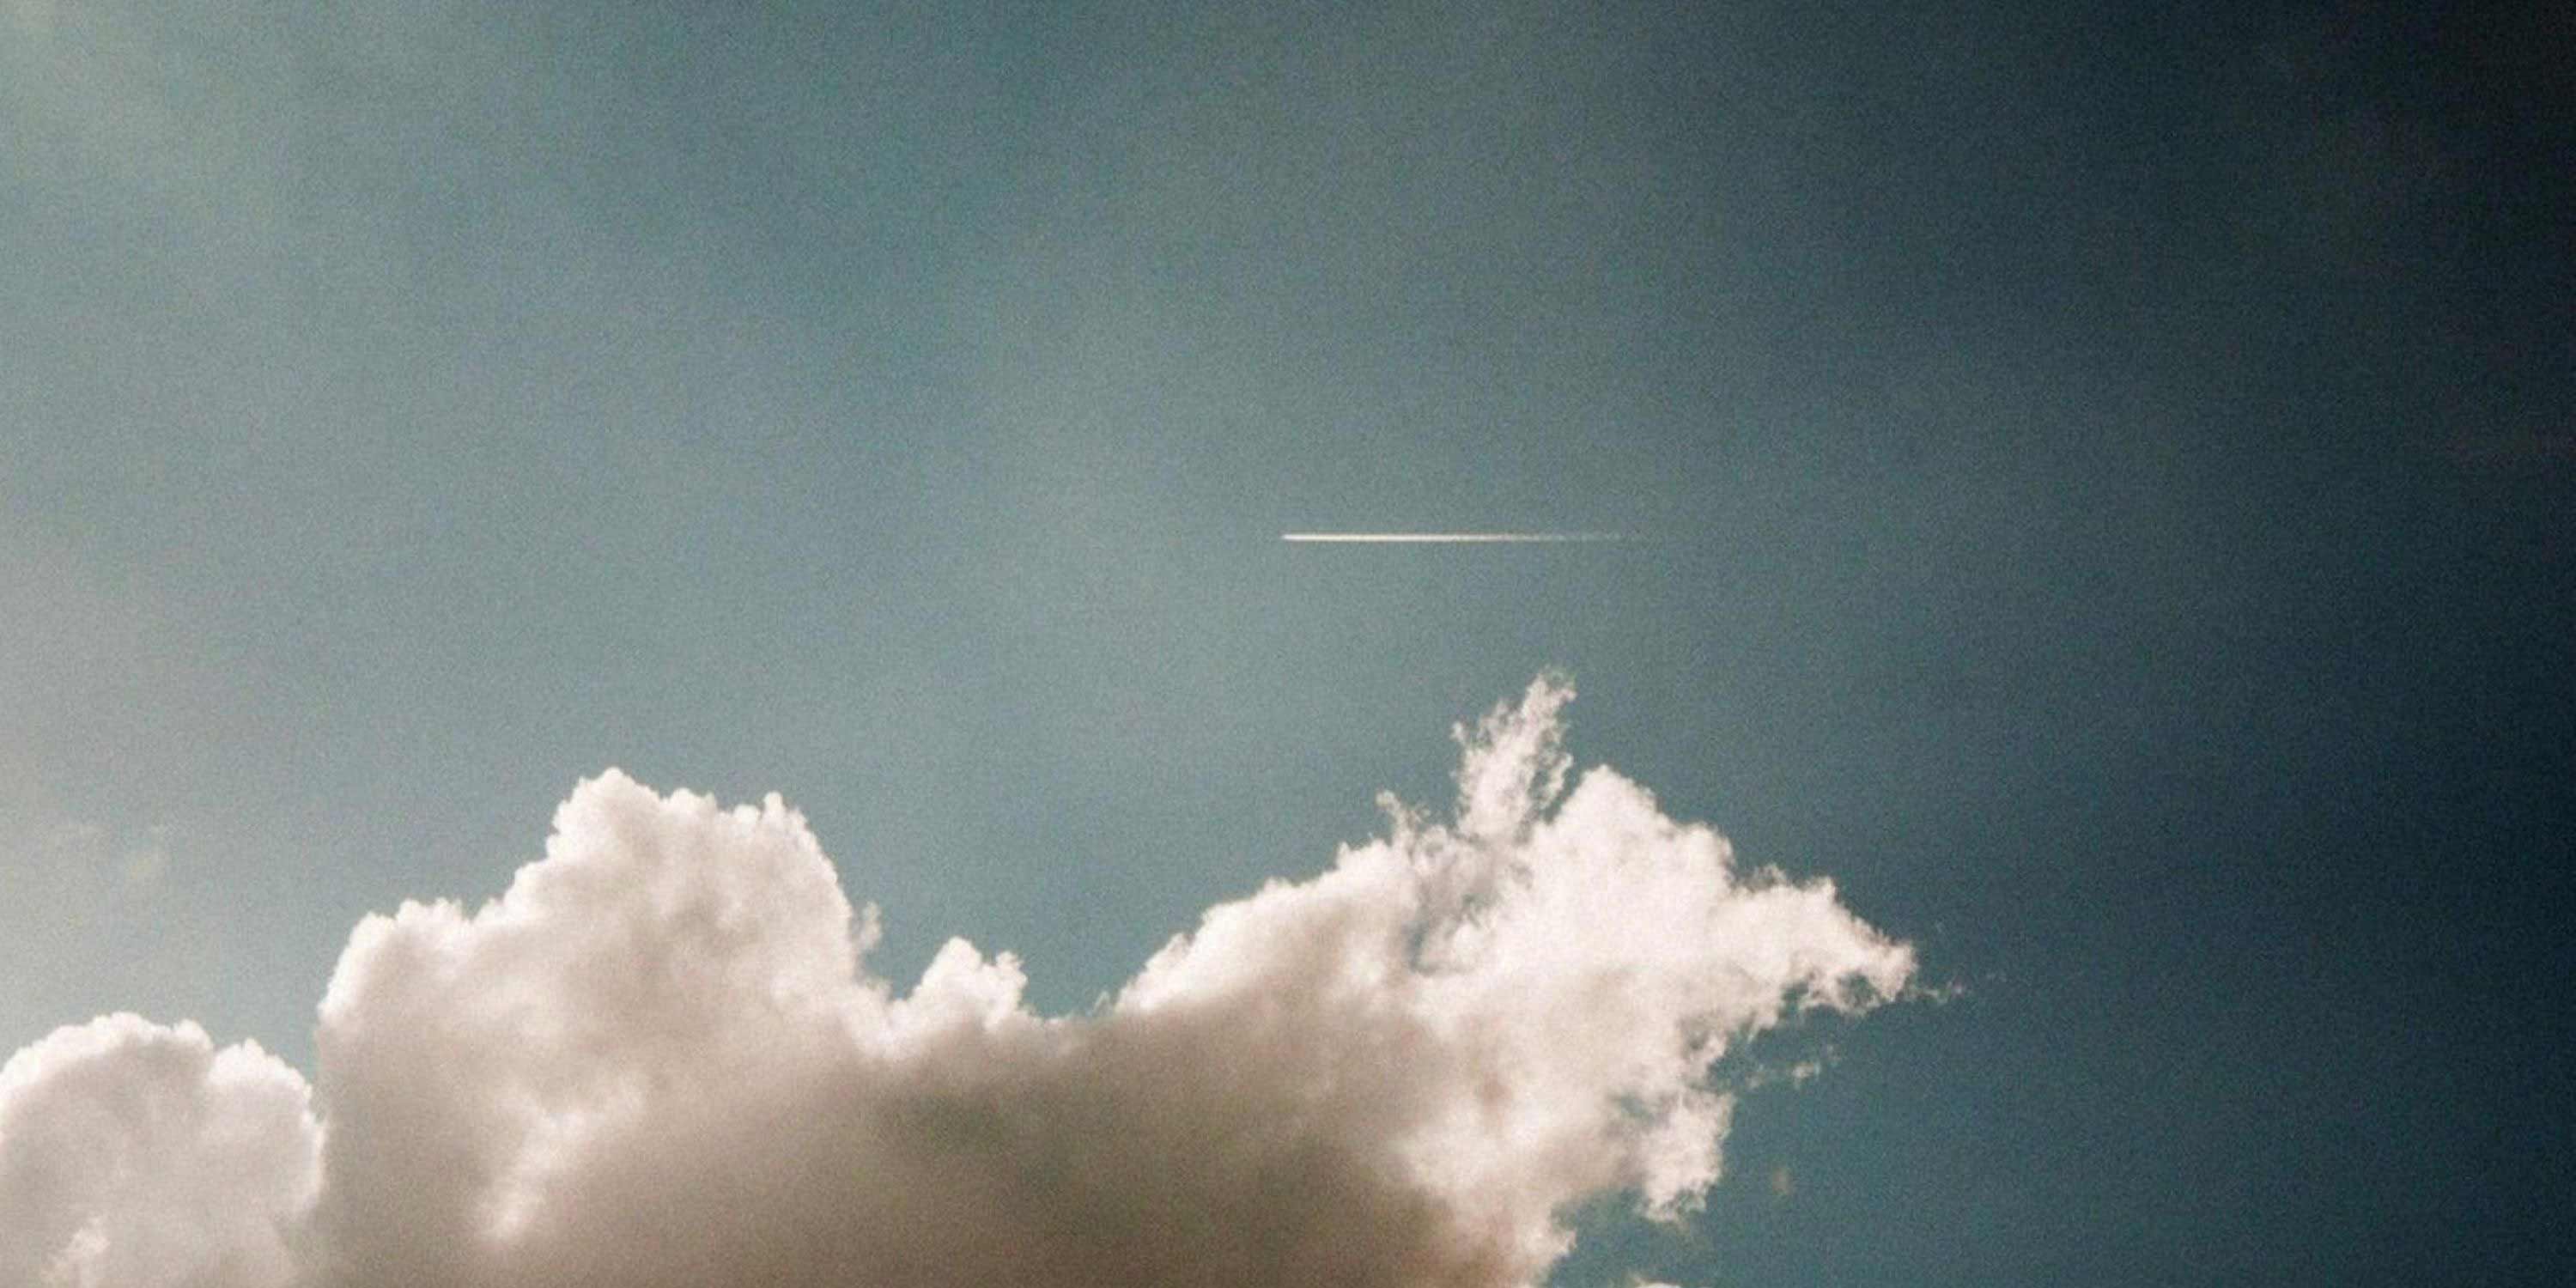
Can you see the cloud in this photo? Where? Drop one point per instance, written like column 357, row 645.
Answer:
column 147, row 860
column 79, row 861
column 136, row 1154
column 656, row 1060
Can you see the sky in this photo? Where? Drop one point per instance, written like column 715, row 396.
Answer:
column 2095, row 491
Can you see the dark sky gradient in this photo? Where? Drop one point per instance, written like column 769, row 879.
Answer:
column 2106, row 485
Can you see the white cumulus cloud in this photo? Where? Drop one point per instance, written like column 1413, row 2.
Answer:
column 657, row 1059
column 136, row 1154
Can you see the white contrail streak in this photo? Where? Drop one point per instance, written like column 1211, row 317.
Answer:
column 1449, row 538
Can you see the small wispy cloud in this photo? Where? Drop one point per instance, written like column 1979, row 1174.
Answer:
column 147, row 859
column 73, row 854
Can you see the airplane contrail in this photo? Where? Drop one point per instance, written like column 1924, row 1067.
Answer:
column 1448, row 538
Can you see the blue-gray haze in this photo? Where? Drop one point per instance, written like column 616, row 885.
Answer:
column 2104, row 484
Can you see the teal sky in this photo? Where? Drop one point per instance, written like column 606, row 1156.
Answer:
column 2102, row 489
